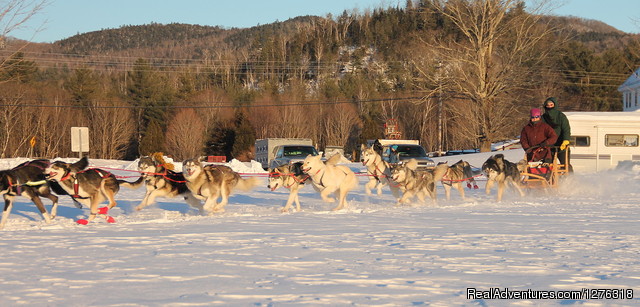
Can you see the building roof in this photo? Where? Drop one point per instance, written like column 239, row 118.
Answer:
column 625, row 117
column 632, row 82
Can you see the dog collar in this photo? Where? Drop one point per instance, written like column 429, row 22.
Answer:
column 66, row 176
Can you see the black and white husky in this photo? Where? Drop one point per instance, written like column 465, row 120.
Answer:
column 160, row 181
column 28, row 180
column 498, row 169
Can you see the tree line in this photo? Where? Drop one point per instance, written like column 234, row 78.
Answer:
column 455, row 74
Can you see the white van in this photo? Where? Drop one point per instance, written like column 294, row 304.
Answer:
column 600, row 140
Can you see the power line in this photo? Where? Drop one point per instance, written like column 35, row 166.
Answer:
column 214, row 105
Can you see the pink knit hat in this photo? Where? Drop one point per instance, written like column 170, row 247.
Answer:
column 535, row 112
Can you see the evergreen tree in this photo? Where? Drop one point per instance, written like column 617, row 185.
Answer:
column 220, row 141
column 17, row 68
column 245, row 136
column 150, row 93
column 82, row 85
column 153, row 139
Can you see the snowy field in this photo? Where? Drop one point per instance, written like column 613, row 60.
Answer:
column 585, row 236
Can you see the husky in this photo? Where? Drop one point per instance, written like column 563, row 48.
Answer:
column 414, row 182
column 379, row 171
column 454, row 176
column 329, row 178
column 291, row 177
column 28, row 180
column 88, row 187
column 160, row 180
column 504, row 172
column 211, row 182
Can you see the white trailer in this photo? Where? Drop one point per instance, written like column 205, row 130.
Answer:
column 265, row 148
column 601, row 140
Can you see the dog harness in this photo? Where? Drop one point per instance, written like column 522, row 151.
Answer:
column 18, row 186
column 376, row 170
column 76, row 185
column 292, row 176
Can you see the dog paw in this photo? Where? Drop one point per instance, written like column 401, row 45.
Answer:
column 330, row 200
column 217, row 210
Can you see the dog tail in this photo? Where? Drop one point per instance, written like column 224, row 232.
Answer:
column 248, row 183
column 131, row 185
column 440, row 171
column 80, row 164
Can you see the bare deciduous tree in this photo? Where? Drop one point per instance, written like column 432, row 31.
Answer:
column 112, row 129
column 339, row 123
column 487, row 65
column 186, row 135
column 15, row 15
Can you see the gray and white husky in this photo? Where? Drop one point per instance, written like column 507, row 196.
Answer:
column 414, row 182
column 211, row 182
column 454, row 176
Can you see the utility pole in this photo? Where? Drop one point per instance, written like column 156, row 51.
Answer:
column 440, row 111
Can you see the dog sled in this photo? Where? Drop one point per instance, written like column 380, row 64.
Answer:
column 538, row 174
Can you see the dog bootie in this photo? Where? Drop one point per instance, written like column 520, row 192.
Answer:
column 82, row 222
column 110, row 219
column 103, row 210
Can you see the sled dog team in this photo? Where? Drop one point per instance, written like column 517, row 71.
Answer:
column 209, row 183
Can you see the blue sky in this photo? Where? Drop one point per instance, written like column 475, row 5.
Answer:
column 65, row 18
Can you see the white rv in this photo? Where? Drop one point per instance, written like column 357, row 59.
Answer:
column 600, row 140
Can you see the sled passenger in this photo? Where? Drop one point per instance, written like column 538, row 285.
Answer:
column 394, row 155
column 536, row 138
column 560, row 124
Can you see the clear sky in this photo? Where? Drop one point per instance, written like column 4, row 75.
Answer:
column 64, row 18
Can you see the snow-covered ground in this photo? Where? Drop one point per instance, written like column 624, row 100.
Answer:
column 585, row 236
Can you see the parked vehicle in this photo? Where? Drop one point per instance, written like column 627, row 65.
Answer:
column 399, row 151
column 286, row 154
column 602, row 140
column 274, row 152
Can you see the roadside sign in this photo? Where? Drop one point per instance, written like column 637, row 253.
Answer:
column 80, row 139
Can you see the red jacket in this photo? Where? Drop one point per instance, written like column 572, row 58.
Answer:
column 538, row 134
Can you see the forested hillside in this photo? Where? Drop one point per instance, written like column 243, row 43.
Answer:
column 190, row 90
